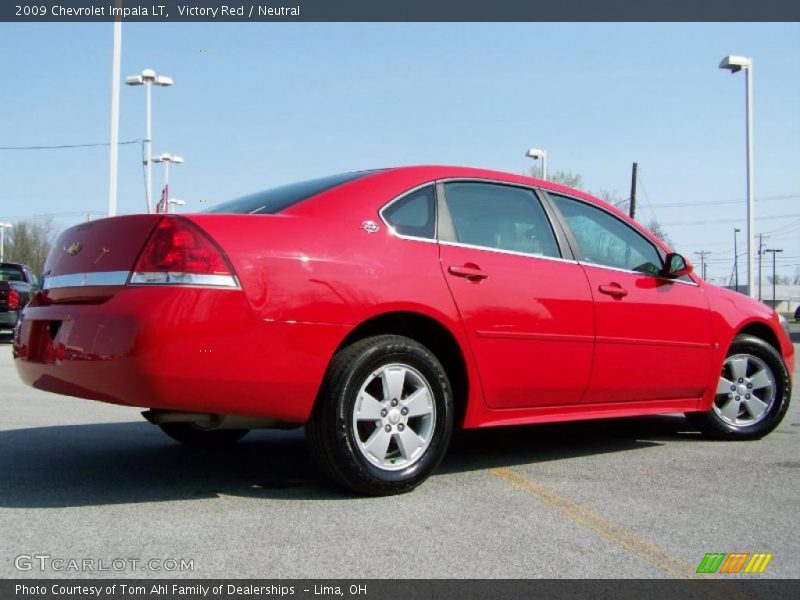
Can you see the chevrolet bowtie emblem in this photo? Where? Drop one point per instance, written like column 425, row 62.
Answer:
column 74, row 248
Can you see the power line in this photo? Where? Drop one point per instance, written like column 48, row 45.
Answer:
column 646, row 197
column 66, row 146
column 720, row 202
column 714, row 222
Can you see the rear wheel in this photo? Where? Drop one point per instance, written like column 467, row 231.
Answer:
column 197, row 437
column 384, row 416
column 752, row 393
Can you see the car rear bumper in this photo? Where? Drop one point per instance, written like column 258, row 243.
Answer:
column 176, row 348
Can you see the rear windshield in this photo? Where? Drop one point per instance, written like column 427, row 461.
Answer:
column 11, row 273
column 277, row 199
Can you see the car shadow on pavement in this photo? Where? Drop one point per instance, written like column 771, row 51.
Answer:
column 125, row 463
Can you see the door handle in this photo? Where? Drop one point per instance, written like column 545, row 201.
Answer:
column 471, row 272
column 614, row 289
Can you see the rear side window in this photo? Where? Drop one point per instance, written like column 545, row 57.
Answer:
column 500, row 216
column 11, row 273
column 605, row 240
column 280, row 198
column 415, row 214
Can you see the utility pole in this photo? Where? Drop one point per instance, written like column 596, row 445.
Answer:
column 774, row 251
column 702, row 254
column 634, row 171
column 760, row 254
column 735, row 259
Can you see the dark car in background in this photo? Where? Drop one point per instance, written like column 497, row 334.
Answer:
column 17, row 283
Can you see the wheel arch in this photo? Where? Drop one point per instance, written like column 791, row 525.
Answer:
column 431, row 333
column 762, row 331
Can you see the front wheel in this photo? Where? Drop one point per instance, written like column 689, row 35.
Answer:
column 752, row 393
column 384, row 416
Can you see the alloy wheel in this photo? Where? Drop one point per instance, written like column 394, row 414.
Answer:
column 394, row 417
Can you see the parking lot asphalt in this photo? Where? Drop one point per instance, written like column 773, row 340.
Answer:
column 639, row 498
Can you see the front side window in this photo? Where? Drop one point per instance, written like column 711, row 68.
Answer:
column 501, row 217
column 414, row 214
column 605, row 240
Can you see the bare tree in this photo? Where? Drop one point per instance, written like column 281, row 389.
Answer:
column 657, row 230
column 567, row 178
column 29, row 242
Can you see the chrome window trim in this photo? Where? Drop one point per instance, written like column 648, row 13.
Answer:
column 97, row 278
column 390, row 228
column 511, row 252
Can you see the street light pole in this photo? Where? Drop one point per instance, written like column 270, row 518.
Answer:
column 113, row 157
column 148, row 78
column 3, row 227
column 167, row 159
column 536, row 153
column 735, row 64
column 735, row 259
column 774, row 252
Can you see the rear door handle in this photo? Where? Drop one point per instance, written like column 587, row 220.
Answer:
column 614, row 289
column 471, row 272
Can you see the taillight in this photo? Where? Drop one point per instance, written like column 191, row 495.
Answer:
column 179, row 252
column 12, row 299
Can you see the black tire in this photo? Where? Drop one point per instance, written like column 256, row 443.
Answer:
column 713, row 425
column 205, row 439
column 333, row 438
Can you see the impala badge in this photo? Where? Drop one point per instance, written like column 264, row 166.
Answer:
column 369, row 226
column 74, row 248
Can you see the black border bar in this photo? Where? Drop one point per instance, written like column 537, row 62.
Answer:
column 401, row 10
column 401, row 589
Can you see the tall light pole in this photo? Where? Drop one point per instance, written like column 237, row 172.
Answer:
column 167, row 159
column 3, row 227
column 734, row 64
column 536, row 153
column 113, row 154
column 774, row 252
column 735, row 259
column 148, row 79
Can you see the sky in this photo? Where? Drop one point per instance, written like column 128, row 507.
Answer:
column 260, row 104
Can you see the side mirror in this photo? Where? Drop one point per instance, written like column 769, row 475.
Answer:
column 675, row 265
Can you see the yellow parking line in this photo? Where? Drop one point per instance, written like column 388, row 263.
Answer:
column 647, row 551
column 672, row 565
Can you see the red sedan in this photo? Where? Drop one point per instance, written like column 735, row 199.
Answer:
column 383, row 308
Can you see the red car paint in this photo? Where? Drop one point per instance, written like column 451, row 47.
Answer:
column 560, row 344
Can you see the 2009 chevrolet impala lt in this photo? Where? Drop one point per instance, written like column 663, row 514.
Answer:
column 383, row 308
